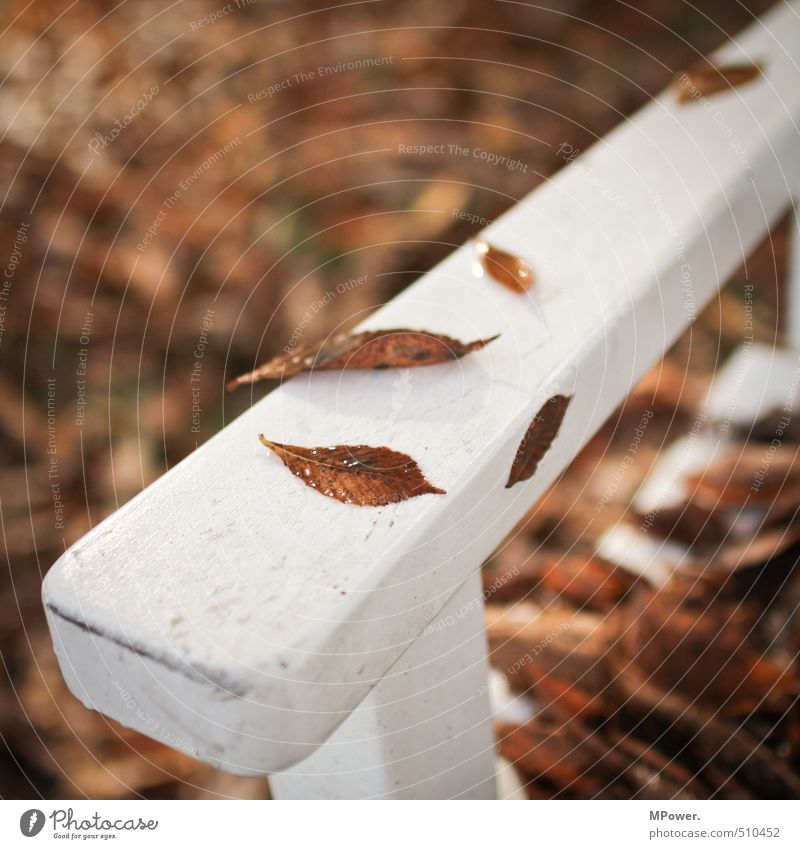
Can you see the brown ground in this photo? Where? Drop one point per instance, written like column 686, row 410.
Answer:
column 315, row 192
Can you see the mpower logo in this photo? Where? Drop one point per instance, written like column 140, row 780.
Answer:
column 31, row 822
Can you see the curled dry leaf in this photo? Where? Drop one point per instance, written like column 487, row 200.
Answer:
column 372, row 349
column 514, row 273
column 538, row 438
column 747, row 474
column 573, row 760
column 739, row 507
column 686, row 522
column 757, row 550
column 355, row 474
column 587, row 581
column 707, row 653
column 706, row 78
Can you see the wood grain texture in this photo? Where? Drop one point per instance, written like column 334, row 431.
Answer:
column 248, row 617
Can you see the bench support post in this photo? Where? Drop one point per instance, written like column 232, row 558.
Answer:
column 424, row 731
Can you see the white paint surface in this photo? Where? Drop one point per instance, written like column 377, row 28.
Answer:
column 424, row 730
column 755, row 383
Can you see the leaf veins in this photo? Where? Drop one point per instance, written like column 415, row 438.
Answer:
column 372, row 349
column 509, row 270
column 355, row 474
column 705, row 78
column 538, row 438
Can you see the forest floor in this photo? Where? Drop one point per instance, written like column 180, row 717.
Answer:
column 174, row 176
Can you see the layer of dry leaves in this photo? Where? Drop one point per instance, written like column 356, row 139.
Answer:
column 315, row 198
column 706, row 78
column 685, row 689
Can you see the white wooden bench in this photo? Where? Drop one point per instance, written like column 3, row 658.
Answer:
column 237, row 615
column 757, row 384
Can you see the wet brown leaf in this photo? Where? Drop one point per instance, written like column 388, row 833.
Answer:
column 706, row 78
column 355, row 474
column 538, row 438
column 668, row 391
column 372, row 349
column 509, row 270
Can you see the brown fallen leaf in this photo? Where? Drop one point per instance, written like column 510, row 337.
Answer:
column 702, row 647
column 657, row 776
column 538, row 438
column 718, row 750
column 564, row 757
column 758, row 549
column 746, row 474
column 509, row 270
column 573, row 760
column 587, row 581
column 687, row 522
column 706, row 78
column 762, row 479
column 355, row 474
column 667, row 391
column 770, row 424
column 372, row 349
column 558, row 655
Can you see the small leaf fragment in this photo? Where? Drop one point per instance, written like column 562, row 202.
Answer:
column 509, row 270
column 538, row 438
column 355, row 474
column 705, row 78
column 372, row 349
